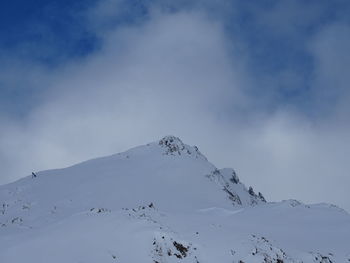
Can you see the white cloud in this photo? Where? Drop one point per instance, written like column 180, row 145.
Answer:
column 162, row 76
column 174, row 74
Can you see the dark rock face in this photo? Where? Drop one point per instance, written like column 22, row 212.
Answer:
column 174, row 146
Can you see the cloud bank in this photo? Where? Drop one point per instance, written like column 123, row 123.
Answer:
column 183, row 70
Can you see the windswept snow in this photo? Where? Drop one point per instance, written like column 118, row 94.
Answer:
column 161, row 203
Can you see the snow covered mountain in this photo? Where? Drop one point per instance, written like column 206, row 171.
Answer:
column 161, row 203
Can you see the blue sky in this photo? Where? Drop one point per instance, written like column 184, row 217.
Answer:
column 261, row 86
column 272, row 35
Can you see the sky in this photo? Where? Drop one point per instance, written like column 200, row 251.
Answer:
column 260, row 86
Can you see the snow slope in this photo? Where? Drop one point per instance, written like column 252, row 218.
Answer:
column 161, row 203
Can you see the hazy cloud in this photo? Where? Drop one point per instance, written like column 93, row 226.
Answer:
column 182, row 72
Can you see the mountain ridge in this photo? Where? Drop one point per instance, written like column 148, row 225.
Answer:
column 162, row 202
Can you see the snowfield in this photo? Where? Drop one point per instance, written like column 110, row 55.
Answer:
column 161, row 203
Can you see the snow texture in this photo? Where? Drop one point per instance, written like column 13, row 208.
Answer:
column 161, row 203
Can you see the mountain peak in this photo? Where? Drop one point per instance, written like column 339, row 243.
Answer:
column 174, row 146
column 160, row 202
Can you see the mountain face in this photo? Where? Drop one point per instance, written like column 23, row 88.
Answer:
column 161, row 203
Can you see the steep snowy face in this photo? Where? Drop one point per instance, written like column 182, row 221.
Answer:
column 237, row 192
column 225, row 178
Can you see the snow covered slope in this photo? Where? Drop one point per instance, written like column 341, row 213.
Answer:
column 158, row 203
